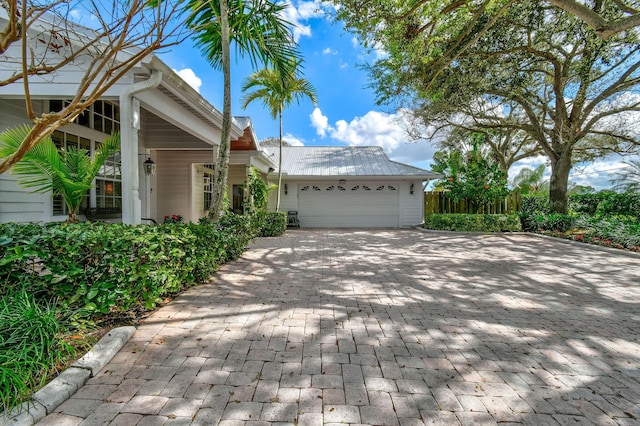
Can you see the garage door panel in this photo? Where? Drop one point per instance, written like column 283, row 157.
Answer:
column 363, row 205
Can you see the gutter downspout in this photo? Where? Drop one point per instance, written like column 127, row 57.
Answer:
column 129, row 126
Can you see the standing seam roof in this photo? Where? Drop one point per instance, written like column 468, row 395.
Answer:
column 342, row 161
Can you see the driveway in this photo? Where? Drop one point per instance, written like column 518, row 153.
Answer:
column 386, row 327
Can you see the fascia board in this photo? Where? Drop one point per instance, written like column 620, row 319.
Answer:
column 174, row 83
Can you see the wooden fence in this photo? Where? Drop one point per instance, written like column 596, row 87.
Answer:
column 437, row 202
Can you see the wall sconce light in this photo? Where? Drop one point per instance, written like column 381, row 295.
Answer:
column 286, row 189
column 411, row 189
column 342, row 182
column 149, row 166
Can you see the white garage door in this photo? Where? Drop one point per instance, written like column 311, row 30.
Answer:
column 347, row 206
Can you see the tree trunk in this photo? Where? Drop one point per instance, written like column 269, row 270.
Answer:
column 73, row 215
column 279, row 166
column 224, row 149
column 559, row 182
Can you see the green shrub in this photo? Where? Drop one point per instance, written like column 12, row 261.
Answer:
column 473, row 222
column 627, row 204
column 585, row 203
column 271, row 224
column 533, row 204
column 558, row 222
column 102, row 268
column 532, row 208
column 606, row 203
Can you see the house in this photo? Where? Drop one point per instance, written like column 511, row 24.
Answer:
column 341, row 187
column 166, row 123
column 162, row 120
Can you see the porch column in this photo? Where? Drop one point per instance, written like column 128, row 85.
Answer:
column 129, row 126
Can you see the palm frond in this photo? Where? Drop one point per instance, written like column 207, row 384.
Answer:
column 109, row 146
column 37, row 168
column 45, row 168
column 628, row 178
column 257, row 28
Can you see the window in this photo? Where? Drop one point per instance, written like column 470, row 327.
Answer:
column 103, row 116
column 238, row 199
column 108, row 182
column 66, row 141
column 208, row 186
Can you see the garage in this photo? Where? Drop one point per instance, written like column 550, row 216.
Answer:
column 366, row 205
column 348, row 187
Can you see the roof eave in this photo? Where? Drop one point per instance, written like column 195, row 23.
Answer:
column 180, row 88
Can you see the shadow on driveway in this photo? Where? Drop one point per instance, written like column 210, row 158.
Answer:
column 386, row 327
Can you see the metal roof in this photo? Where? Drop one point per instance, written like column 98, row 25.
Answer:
column 343, row 161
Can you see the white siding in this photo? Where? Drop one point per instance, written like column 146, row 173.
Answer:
column 411, row 208
column 177, row 187
column 173, row 184
column 237, row 176
column 288, row 201
column 18, row 204
column 59, row 84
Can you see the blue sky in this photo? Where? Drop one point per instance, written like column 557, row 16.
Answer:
column 346, row 113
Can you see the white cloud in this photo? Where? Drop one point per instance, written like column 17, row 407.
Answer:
column 319, row 122
column 329, row 51
column 292, row 140
column 190, row 77
column 597, row 174
column 300, row 12
column 376, row 128
column 75, row 15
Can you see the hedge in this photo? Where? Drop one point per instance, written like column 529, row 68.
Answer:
column 271, row 224
column 473, row 222
column 94, row 267
column 603, row 203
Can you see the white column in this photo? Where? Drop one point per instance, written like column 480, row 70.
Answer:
column 129, row 126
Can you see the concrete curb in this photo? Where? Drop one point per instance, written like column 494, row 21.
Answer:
column 47, row 399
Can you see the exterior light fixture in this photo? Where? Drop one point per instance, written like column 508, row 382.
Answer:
column 286, row 189
column 149, row 167
column 411, row 189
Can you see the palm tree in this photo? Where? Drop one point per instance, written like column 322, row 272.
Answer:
column 628, row 178
column 259, row 31
column 277, row 90
column 530, row 181
column 68, row 173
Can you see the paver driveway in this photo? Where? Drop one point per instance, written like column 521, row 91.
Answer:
column 386, row 327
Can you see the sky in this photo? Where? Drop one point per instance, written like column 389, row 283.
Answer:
column 346, row 113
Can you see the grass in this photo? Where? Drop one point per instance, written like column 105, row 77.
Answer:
column 32, row 344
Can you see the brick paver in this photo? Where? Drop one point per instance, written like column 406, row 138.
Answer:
column 396, row 327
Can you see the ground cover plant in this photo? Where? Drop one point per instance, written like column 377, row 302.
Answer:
column 31, row 343
column 605, row 218
column 60, row 282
